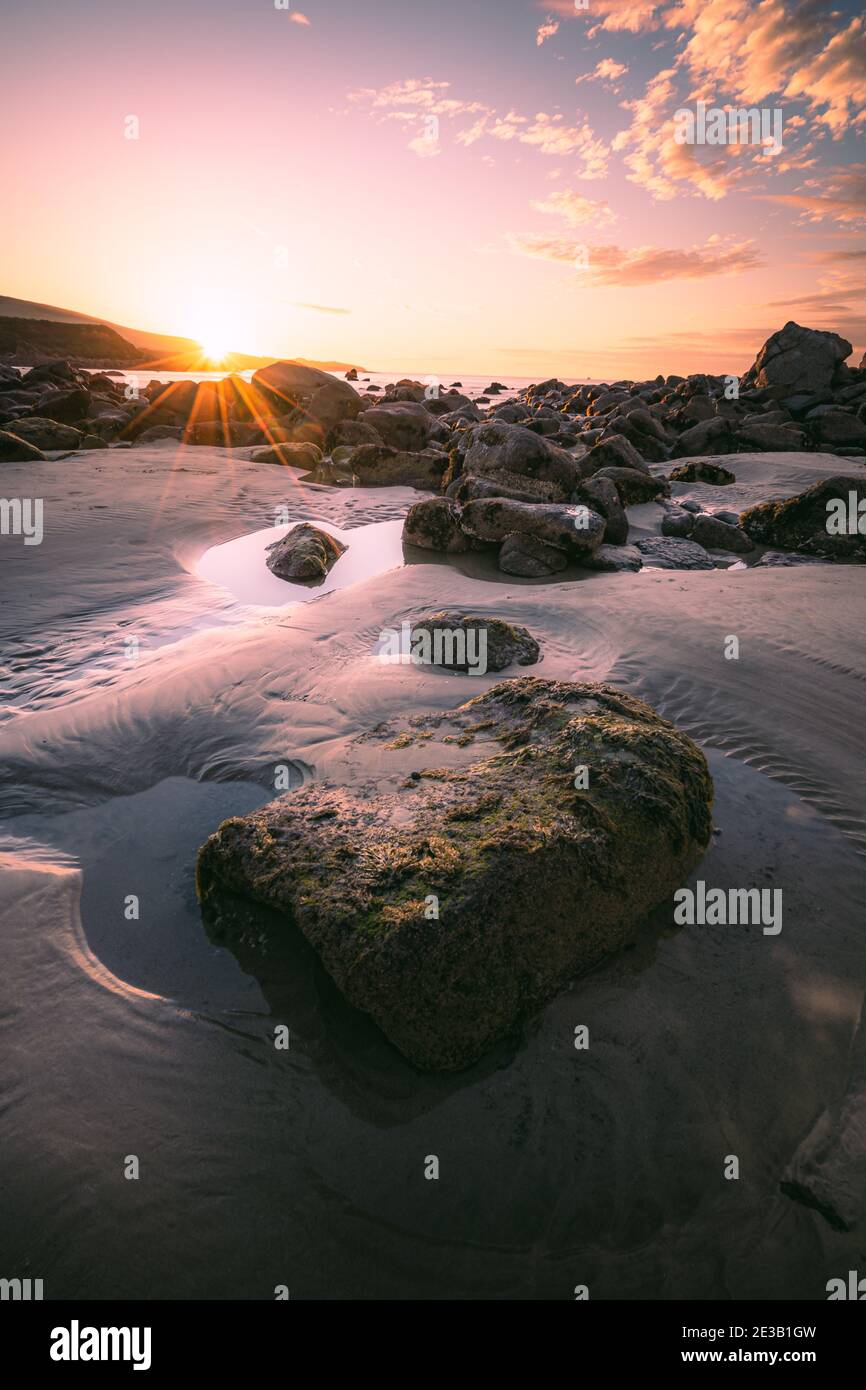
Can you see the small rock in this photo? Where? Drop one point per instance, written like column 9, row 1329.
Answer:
column 305, row 553
column 623, row 558
column 670, row 553
column 703, row 472
column 497, row 644
column 289, row 455
column 634, row 487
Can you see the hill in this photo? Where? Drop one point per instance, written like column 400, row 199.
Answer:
column 31, row 332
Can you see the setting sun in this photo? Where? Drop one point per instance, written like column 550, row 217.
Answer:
column 213, row 349
column 221, row 322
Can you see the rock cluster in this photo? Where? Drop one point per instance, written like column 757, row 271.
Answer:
column 798, row 395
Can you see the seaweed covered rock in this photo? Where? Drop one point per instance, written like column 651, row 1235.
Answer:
column 824, row 520
column 703, row 471
column 305, row 553
column 452, row 905
column 615, row 452
column 499, row 483
column 633, row 486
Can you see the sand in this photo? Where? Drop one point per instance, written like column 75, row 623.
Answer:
column 305, row 1167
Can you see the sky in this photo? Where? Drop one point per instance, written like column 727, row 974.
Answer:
column 495, row 186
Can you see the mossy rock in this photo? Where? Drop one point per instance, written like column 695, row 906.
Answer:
column 801, row 523
column 703, row 472
column 535, row 881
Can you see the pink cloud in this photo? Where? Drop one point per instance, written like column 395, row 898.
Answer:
column 576, row 210
column 642, row 265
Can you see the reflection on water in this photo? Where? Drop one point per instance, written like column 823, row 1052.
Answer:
column 240, row 565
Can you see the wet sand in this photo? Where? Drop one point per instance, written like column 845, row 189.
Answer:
column 305, row 1167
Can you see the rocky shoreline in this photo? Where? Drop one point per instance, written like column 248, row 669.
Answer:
column 490, row 823
column 541, row 479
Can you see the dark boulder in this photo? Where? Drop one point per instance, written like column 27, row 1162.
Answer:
column 809, row 523
column 454, row 905
column 13, row 449
column 796, row 359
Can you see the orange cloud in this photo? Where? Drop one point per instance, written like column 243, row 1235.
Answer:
column 546, row 30
column 606, row 71
column 577, row 210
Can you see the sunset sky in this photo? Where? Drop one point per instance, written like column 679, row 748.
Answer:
column 490, row 186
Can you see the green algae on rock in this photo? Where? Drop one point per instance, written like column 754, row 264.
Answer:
column 809, row 522
column 454, row 904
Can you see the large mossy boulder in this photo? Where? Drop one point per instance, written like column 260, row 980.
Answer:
column 451, row 906
column 809, row 523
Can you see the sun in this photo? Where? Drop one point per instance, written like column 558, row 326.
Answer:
column 214, row 349
column 221, row 322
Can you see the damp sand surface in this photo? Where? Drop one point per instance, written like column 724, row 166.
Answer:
column 305, row 1166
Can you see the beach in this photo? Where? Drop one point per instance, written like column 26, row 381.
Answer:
column 305, row 1167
